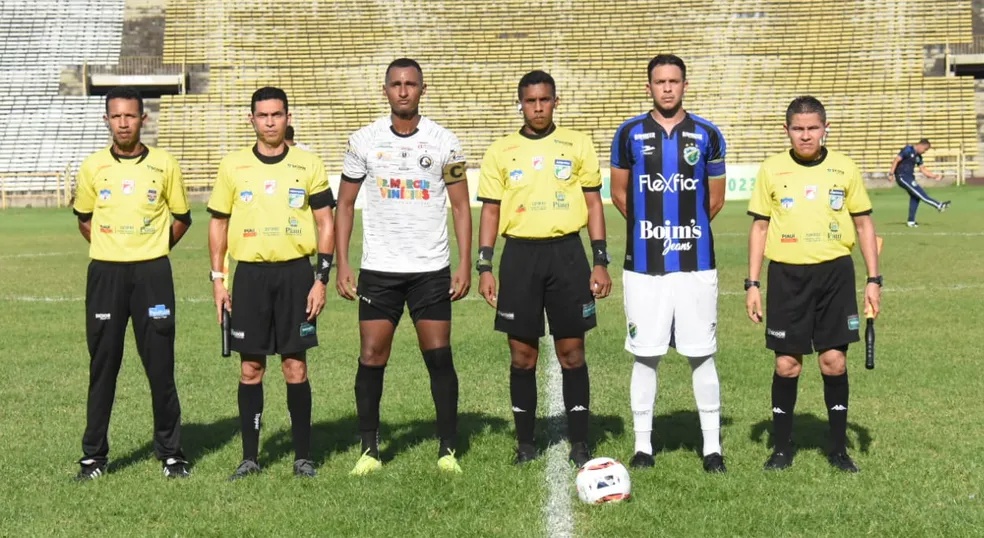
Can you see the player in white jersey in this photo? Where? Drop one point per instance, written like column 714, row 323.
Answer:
column 409, row 167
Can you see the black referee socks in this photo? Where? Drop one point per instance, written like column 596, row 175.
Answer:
column 299, row 406
column 444, row 391
column 577, row 396
column 368, row 393
column 783, row 404
column 250, row 412
column 835, row 394
column 522, row 391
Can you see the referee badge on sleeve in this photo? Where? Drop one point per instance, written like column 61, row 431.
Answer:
column 836, row 199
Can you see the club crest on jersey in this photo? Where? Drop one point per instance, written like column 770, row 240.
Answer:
column 128, row 185
column 246, row 196
column 295, row 198
column 562, row 169
column 538, row 163
column 516, row 175
column 151, row 196
column 270, row 186
column 836, row 199
column 425, row 162
column 691, row 154
column 786, row 203
column 105, row 194
column 633, row 330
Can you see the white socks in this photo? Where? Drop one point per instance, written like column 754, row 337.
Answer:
column 707, row 394
column 642, row 392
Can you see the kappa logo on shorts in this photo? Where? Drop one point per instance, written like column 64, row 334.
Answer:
column 159, row 312
column 588, row 310
column 633, row 330
column 853, row 322
column 308, row 330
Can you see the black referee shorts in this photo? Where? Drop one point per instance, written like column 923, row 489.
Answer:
column 382, row 295
column 811, row 307
column 268, row 308
column 548, row 274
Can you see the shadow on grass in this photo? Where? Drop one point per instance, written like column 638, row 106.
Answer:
column 553, row 430
column 197, row 441
column 680, row 430
column 335, row 437
column 810, row 432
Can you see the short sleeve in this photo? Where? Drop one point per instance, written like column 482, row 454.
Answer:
column 621, row 152
column 491, row 184
column 589, row 172
column 221, row 198
column 354, row 162
column 453, row 167
column 85, row 193
column 319, row 178
column 717, row 149
column 760, row 204
column 176, row 194
column 858, row 202
column 919, row 160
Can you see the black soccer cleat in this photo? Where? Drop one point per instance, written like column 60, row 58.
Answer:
column 842, row 462
column 304, row 469
column 90, row 470
column 944, row 205
column 524, row 454
column 714, row 463
column 580, row 454
column 641, row 460
column 176, row 468
column 779, row 460
column 246, row 468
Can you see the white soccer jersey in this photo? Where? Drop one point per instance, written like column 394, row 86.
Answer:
column 404, row 223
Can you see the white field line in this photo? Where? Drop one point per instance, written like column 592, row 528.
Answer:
column 919, row 233
column 56, row 299
column 558, row 519
column 33, row 255
column 900, row 289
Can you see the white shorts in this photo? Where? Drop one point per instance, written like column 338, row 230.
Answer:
column 676, row 309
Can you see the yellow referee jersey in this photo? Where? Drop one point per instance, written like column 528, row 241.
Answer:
column 267, row 202
column 131, row 200
column 809, row 206
column 540, row 182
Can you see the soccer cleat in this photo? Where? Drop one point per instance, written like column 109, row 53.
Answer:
column 304, row 469
column 525, row 454
column 714, row 463
column 843, row 462
column 641, row 460
column 449, row 463
column 912, row 224
column 176, row 468
column 779, row 460
column 943, row 206
column 366, row 465
column 580, row 453
column 246, row 468
column 91, row 470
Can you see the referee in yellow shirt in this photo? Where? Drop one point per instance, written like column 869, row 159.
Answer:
column 539, row 187
column 125, row 199
column 271, row 209
column 807, row 205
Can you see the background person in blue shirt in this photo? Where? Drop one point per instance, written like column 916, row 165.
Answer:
column 903, row 170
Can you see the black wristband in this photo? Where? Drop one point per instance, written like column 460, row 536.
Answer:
column 324, row 267
column 484, row 263
column 599, row 248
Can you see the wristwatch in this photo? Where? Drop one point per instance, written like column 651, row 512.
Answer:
column 216, row 275
column 875, row 280
column 752, row 284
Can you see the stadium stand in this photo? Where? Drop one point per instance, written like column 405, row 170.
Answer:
column 866, row 59
column 747, row 59
column 43, row 132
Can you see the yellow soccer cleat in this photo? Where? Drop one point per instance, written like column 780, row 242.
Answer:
column 366, row 465
column 449, row 464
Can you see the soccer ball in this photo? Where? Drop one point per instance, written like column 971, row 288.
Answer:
column 603, row 480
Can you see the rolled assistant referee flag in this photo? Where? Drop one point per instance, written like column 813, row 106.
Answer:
column 226, row 313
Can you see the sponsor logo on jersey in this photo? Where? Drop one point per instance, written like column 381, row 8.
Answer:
column 674, row 238
column 270, row 186
column 836, row 199
column 810, row 192
column 105, row 229
column 126, row 229
column 151, row 196
column 516, row 175
column 404, row 189
column 786, row 203
column 560, row 201
column 538, row 162
column 643, row 136
column 249, row 232
column 271, row 231
column 295, row 198
column 154, row 168
column 246, row 196
column 648, row 150
column 659, row 183
column 562, row 169
column 693, row 136
column 691, row 154
column 105, row 194
column 128, row 185
column 788, row 238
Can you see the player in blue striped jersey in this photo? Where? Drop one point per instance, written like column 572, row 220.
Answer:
column 668, row 181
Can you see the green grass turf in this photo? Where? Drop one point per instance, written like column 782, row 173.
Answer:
column 914, row 422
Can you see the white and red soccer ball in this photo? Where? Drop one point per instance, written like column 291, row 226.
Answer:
column 603, row 480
